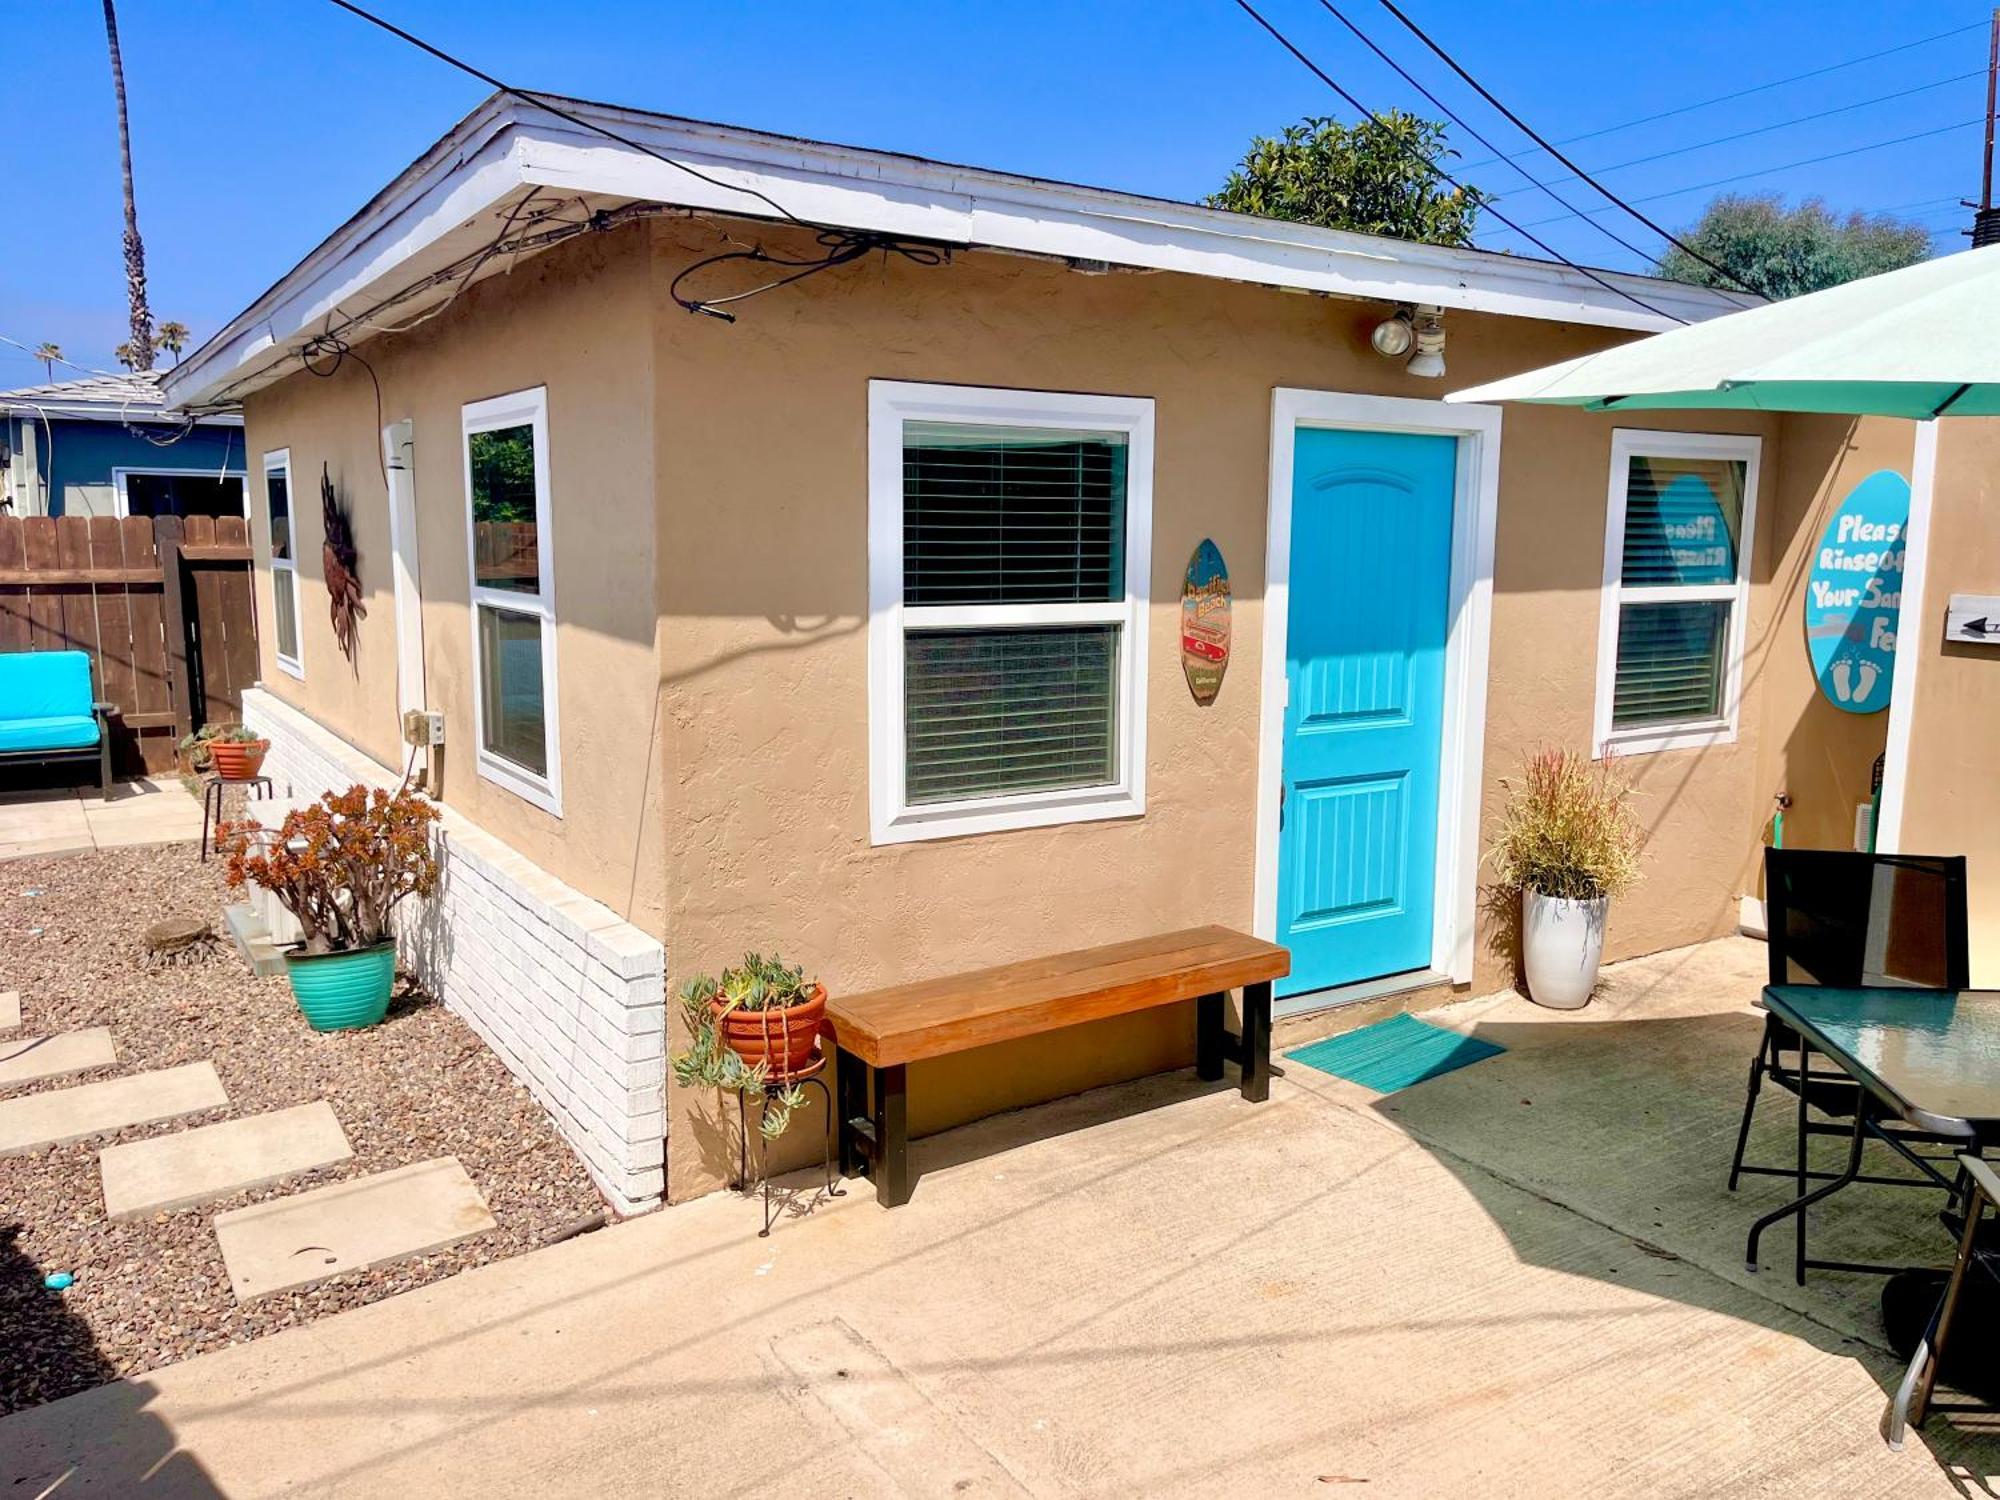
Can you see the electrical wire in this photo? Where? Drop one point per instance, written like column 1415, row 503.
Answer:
column 1528, row 130
column 1459, row 120
column 1438, row 172
column 1810, row 161
column 1741, row 135
column 1759, row 88
column 844, row 245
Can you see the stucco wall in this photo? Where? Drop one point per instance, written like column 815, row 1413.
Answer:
column 762, row 429
column 575, row 320
column 1952, row 801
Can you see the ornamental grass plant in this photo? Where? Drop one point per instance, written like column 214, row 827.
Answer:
column 1568, row 830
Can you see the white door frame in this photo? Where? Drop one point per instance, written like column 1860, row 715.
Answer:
column 1474, row 514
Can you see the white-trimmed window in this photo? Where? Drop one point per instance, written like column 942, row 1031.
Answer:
column 1677, row 548
column 512, row 566
column 284, row 559
column 1009, row 541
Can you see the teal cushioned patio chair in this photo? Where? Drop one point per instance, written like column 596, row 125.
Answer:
column 48, row 711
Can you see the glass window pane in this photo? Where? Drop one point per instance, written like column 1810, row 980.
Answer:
column 1683, row 517
column 277, row 495
column 503, row 509
column 285, row 606
column 993, row 712
column 513, row 721
column 1012, row 515
column 1669, row 663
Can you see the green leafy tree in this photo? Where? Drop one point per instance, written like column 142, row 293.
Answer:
column 1784, row 252
column 1379, row 176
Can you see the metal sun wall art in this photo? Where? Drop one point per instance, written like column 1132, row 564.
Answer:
column 1205, row 622
column 339, row 559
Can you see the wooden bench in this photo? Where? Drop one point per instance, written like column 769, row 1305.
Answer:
column 876, row 1036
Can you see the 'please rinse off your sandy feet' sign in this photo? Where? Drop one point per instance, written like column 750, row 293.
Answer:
column 1854, row 591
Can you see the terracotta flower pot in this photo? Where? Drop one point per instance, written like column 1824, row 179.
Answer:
column 787, row 1040
column 237, row 761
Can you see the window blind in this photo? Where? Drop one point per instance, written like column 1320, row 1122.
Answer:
column 995, row 515
column 1670, row 663
column 1682, row 517
column 992, row 712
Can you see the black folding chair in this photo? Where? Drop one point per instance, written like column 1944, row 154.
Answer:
column 1853, row 921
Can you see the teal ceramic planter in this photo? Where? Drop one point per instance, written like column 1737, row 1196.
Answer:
column 340, row 991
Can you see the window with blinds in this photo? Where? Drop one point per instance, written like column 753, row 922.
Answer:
column 1675, row 567
column 1010, row 517
column 1012, row 651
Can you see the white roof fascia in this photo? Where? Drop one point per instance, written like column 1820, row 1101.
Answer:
column 505, row 144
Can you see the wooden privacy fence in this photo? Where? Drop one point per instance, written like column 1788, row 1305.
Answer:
column 162, row 604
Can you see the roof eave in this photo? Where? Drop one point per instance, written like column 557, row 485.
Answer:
column 505, row 146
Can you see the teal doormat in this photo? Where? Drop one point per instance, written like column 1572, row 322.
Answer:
column 1394, row 1054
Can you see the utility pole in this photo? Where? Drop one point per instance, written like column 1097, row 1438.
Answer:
column 1985, row 218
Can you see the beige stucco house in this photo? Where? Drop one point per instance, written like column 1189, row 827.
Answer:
column 852, row 627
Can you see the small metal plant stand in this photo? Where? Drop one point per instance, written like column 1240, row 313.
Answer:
column 212, row 792
column 813, row 1076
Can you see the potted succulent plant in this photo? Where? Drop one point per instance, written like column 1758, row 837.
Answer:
column 341, row 866
column 1568, row 843
column 235, row 753
column 756, row 1026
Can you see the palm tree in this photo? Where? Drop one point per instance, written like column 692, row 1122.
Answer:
column 141, row 346
column 48, row 354
column 172, row 337
column 127, row 356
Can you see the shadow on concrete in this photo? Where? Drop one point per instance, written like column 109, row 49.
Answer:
column 49, row 1351
column 1630, row 1124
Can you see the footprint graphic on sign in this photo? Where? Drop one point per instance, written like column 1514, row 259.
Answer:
column 1841, row 669
column 1864, row 680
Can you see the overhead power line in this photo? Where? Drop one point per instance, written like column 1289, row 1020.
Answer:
column 839, row 245
column 1741, row 135
column 1439, row 172
column 1810, row 161
column 1458, row 120
column 1759, row 88
column 1529, row 131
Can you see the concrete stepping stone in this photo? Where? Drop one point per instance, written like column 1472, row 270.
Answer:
column 212, row 1161
column 25, row 1059
column 295, row 1241
column 99, row 1108
column 10, row 1009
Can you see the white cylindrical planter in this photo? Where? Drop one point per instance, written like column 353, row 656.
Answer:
column 1562, row 944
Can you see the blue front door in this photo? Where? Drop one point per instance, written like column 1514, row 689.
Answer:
column 1364, row 719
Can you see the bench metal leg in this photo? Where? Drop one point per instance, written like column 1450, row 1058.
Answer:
column 892, row 1137
column 1256, row 1058
column 851, row 1081
column 1208, row 1038
column 104, row 759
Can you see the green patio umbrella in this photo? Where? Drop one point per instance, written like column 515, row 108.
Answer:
column 1920, row 342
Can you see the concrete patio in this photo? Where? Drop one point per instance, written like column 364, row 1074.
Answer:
column 68, row 821
column 1521, row 1279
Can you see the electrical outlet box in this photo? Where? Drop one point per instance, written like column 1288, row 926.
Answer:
column 1864, row 826
column 422, row 727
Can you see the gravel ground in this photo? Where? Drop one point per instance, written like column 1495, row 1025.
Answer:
column 149, row 1293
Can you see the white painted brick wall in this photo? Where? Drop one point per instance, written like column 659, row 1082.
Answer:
column 570, row 995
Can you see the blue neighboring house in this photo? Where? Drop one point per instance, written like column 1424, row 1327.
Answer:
column 106, row 445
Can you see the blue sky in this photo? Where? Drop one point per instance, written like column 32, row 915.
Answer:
column 259, row 125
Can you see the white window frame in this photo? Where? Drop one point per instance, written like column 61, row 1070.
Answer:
column 1628, row 443
column 284, row 571
column 891, row 405
column 529, row 408
column 119, row 474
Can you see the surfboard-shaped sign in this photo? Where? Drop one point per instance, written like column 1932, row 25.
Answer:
column 1854, row 594
column 1205, row 622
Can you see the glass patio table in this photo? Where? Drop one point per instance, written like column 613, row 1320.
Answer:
column 1930, row 1058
